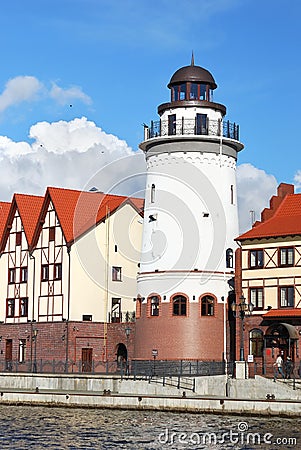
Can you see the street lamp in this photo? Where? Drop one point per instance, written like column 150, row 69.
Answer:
column 34, row 338
column 127, row 333
column 242, row 310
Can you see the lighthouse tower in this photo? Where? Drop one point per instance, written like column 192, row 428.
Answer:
column 190, row 222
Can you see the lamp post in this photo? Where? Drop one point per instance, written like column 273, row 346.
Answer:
column 127, row 333
column 34, row 338
column 242, row 310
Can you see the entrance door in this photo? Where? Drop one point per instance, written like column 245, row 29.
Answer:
column 87, row 359
column 8, row 354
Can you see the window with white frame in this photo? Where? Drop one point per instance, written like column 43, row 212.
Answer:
column 287, row 296
column 23, row 307
column 22, row 350
column 286, row 256
column 10, row 307
column 45, row 272
column 256, row 259
column 23, row 274
column 256, row 297
column 57, row 271
column 116, row 273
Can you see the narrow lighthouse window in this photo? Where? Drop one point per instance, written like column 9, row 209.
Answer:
column 232, row 194
column 153, row 192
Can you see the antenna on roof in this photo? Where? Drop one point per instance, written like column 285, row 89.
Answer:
column 252, row 215
column 192, row 59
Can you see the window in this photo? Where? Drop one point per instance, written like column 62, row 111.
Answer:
column 57, row 271
column 116, row 273
column 45, row 272
column 172, row 124
column 51, row 234
column 256, row 297
column 286, row 257
column 179, row 305
column 23, row 275
column 87, row 317
column 201, row 124
column 256, row 259
column 229, row 258
column 154, row 305
column 11, row 275
column 207, row 305
column 22, row 350
column 19, row 238
column 153, row 192
column 287, row 297
column 194, row 91
column 23, row 307
column 116, row 248
column 256, row 342
column 183, row 92
column 232, row 194
column 10, row 307
column 116, row 310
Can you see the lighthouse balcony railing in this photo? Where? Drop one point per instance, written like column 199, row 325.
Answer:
column 183, row 127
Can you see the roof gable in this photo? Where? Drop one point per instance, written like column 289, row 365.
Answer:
column 78, row 211
column 282, row 219
column 4, row 211
column 29, row 207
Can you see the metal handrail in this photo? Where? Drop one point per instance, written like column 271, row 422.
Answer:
column 184, row 127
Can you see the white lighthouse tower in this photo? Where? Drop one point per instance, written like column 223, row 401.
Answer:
column 190, row 222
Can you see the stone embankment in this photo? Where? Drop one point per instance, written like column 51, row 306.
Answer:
column 215, row 394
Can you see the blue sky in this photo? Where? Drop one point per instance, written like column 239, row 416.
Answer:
column 111, row 60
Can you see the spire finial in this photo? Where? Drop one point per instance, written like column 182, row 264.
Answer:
column 192, row 59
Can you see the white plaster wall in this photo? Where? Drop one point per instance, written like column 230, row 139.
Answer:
column 92, row 258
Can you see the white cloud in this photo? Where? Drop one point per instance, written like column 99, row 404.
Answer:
column 75, row 154
column 297, row 179
column 19, row 89
column 255, row 188
column 29, row 88
column 80, row 155
column 65, row 96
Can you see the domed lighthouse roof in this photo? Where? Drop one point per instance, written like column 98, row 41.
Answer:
column 192, row 74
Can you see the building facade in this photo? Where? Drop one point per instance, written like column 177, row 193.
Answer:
column 68, row 279
column 268, row 275
column 190, row 222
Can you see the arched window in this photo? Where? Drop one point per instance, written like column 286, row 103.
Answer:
column 154, row 305
column 179, row 305
column 153, row 192
column 229, row 258
column 207, row 305
column 256, row 342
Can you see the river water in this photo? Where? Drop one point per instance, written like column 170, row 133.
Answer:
column 36, row 427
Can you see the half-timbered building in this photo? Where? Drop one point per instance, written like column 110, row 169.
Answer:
column 68, row 267
column 268, row 275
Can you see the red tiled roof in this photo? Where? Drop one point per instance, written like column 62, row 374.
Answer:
column 29, row 207
column 78, row 211
column 4, row 211
column 286, row 221
column 295, row 312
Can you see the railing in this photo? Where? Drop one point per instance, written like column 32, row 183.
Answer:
column 122, row 317
column 136, row 368
column 182, row 127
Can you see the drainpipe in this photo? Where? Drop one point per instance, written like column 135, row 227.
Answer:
column 68, row 311
column 32, row 257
